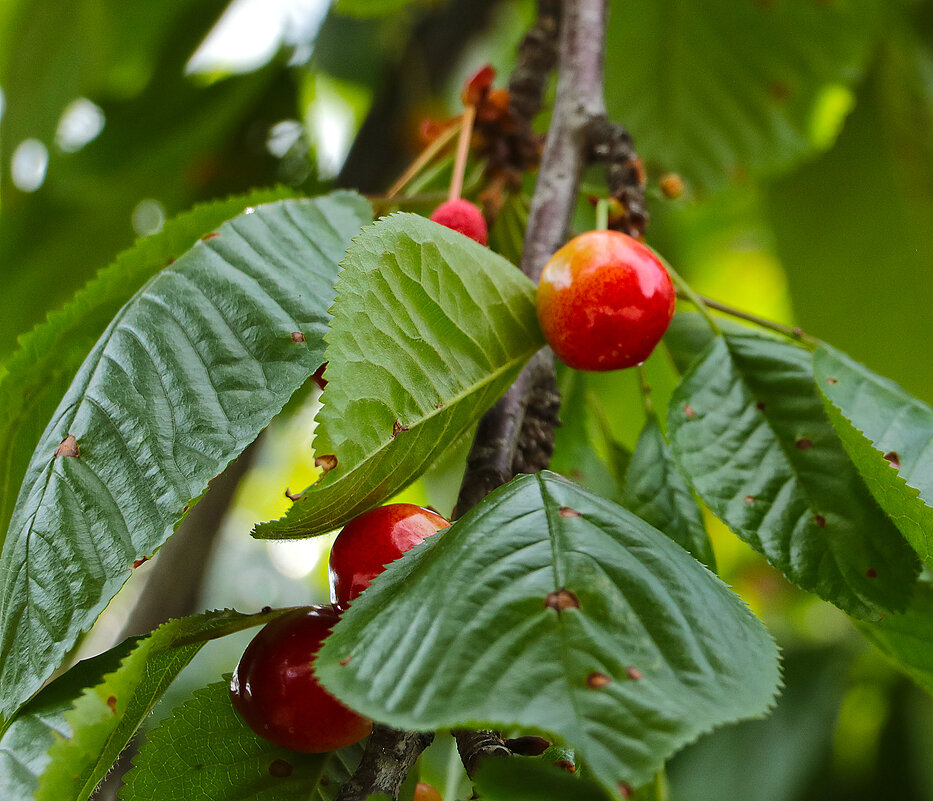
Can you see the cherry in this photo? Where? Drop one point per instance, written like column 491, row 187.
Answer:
column 275, row 691
column 369, row 542
column 464, row 217
column 604, row 301
column 426, row 792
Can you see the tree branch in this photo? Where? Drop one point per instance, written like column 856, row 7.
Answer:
column 390, row 754
column 517, row 433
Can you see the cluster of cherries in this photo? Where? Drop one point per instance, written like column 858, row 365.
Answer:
column 274, row 688
column 604, row 301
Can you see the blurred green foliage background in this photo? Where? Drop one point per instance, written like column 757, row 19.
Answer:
column 803, row 130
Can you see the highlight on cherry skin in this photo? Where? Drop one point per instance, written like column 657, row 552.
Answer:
column 462, row 216
column 604, row 301
column 371, row 541
column 276, row 693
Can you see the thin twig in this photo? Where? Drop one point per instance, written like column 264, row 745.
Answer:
column 424, row 158
column 792, row 332
column 463, row 152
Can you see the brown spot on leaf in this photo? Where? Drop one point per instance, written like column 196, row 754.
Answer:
column 139, row 562
column 820, row 521
column 597, row 680
column 626, row 789
column 345, row 661
column 318, row 377
column 634, row 673
column 280, row 769
column 528, row 746
column 325, row 780
column 112, row 703
column 749, row 499
column 566, row 764
column 68, row 448
column 325, row 463
column 761, row 406
column 832, row 381
column 210, row 236
column 297, row 336
column 293, row 496
column 893, row 459
column 562, row 599
column 566, row 511
column 266, row 609
column 803, row 443
column 398, row 428
column 438, row 405
column 689, row 411
column 871, row 573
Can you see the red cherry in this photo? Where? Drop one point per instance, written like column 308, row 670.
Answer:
column 276, row 693
column 604, row 301
column 426, row 792
column 369, row 542
column 463, row 216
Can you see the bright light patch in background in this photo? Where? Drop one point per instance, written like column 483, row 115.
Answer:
column 148, row 217
column 81, row 122
column 28, row 165
column 296, row 559
column 283, row 136
column 334, row 111
column 830, row 110
column 2, row 103
column 250, row 33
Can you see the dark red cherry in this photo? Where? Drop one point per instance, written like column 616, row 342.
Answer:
column 275, row 691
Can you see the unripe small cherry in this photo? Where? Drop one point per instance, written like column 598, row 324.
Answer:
column 276, row 693
column 371, row 541
column 463, row 216
column 604, row 301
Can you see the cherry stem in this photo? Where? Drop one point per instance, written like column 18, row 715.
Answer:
column 463, row 151
column 684, row 290
column 424, row 158
column 645, row 388
column 789, row 331
column 602, row 214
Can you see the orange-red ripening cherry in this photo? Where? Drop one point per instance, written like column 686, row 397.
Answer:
column 427, row 792
column 604, row 301
column 369, row 542
column 275, row 691
column 463, row 216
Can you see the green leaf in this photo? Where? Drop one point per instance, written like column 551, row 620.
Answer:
column 205, row 751
column 465, row 631
column 748, row 428
column 907, row 639
column 429, row 329
column 886, row 432
column 187, row 374
column 106, row 716
column 711, row 89
column 575, row 442
column 657, row 492
column 24, row 747
column 531, row 780
column 374, row 8
column 37, row 375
